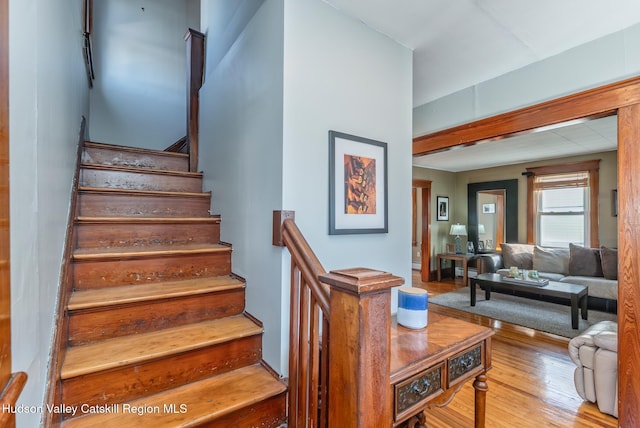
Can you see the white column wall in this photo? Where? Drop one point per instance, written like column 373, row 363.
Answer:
column 241, row 155
column 299, row 69
column 48, row 95
column 341, row 75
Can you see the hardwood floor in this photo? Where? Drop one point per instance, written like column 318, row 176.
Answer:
column 530, row 384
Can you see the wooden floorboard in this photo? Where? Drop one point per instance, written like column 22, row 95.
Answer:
column 530, row 384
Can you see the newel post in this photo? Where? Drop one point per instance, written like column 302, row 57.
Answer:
column 195, row 72
column 359, row 362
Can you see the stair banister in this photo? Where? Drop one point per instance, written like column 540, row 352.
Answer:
column 340, row 333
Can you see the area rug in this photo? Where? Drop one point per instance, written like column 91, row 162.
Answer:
column 548, row 317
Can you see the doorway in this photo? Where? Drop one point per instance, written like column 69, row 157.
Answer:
column 622, row 98
column 421, row 192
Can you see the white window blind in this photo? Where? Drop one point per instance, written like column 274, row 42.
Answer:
column 562, row 209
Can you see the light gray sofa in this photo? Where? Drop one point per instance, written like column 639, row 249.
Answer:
column 595, row 353
column 596, row 268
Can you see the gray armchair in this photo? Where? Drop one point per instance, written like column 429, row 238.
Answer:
column 595, row 353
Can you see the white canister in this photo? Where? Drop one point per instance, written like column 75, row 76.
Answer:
column 412, row 307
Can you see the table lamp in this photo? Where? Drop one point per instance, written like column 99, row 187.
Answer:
column 457, row 230
column 481, row 230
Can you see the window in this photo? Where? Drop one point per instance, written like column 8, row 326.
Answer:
column 562, row 211
column 562, row 206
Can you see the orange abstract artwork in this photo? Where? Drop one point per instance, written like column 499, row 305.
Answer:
column 359, row 185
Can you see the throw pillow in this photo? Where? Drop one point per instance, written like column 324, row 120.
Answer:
column 584, row 261
column 520, row 255
column 551, row 260
column 609, row 258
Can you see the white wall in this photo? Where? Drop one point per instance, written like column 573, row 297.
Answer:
column 139, row 94
column 602, row 61
column 265, row 115
column 341, row 75
column 48, row 96
column 223, row 21
column 241, row 155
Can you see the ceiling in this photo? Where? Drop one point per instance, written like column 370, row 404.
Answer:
column 460, row 43
column 571, row 139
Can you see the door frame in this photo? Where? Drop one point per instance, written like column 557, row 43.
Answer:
column 621, row 98
column 425, row 233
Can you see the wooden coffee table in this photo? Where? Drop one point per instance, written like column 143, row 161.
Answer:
column 576, row 294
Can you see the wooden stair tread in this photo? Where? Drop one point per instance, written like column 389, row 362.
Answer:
column 137, row 348
column 109, row 190
column 147, row 251
column 120, row 168
column 141, row 150
column 111, row 296
column 206, row 400
column 156, row 220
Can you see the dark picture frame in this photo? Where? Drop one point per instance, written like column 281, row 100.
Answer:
column 442, row 207
column 488, row 208
column 357, row 185
column 614, row 202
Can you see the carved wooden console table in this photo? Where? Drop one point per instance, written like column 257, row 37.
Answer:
column 430, row 365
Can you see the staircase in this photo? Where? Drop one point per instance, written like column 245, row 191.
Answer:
column 157, row 334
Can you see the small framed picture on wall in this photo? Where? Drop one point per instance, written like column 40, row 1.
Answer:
column 442, row 204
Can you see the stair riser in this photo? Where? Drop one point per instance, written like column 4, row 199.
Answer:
column 114, row 156
column 266, row 414
column 126, row 383
column 97, row 274
column 91, row 325
column 139, row 180
column 145, row 235
column 110, row 205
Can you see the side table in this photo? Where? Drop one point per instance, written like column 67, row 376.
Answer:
column 464, row 258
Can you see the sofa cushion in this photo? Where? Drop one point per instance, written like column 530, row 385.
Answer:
column 551, row 260
column 520, row 255
column 609, row 257
column 598, row 286
column 584, row 261
column 551, row 276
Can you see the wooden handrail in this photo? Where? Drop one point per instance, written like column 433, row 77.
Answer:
column 343, row 317
column 307, row 262
column 9, row 397
column 195, row 74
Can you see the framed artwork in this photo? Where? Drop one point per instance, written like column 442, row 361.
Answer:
column 442, row 204
column 614, row 202
column 357, row 185
column 488, row 208
column 480, row 245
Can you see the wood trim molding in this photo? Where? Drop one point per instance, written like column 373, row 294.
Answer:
column 628, row 261
column 590, row 104
column 53, row 391
column 622, row 98
column 5, row 277
column 11, row 385
column 425, row 248
column 565, row 168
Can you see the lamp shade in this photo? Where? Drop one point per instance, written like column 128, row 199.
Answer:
column 458, row 230
column 481, row 230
